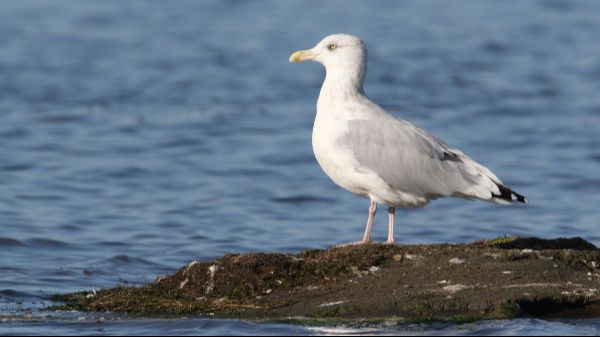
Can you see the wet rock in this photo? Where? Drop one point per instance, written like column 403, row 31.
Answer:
column 501, row 278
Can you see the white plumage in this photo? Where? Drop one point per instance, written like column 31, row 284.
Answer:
column 371, row 153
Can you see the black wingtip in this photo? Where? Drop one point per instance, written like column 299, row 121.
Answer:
column 510, row 195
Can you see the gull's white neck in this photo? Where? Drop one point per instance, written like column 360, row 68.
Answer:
column 342, row 84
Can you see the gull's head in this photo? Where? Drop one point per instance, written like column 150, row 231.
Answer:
column 338, row 51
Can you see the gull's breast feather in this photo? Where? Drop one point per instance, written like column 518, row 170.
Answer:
column 338, row 160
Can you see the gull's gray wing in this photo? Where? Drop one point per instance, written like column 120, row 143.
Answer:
column 413, row 161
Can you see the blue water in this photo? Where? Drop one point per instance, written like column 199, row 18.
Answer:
column 137, row 136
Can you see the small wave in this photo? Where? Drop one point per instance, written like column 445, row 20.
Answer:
column 128, row 172
column 113, row 244
column 180, row 142
column 47, row 243
column 128, row 260
column 16, row 167
column 121, row 259
column 595, row 157
column 17, row 133
column 59, row 119
column 6, row 270
column 40, row 197
column 63, row 272
column 299, row 199
column 579, row 183
column 494, row 47
column 18, row 295
column 9, row 242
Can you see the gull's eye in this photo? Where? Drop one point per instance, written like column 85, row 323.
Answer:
column 332, row 46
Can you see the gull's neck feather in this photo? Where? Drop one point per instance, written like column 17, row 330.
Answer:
column 343, row 82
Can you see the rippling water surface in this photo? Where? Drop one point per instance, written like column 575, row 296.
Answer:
column 138, row 136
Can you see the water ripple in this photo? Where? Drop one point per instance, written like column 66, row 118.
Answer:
column 48, row 243
column 9, row 242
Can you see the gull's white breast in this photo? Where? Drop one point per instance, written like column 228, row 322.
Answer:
column 337, row 162
column 340, row 164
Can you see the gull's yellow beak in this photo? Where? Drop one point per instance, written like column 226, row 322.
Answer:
column 302, row 55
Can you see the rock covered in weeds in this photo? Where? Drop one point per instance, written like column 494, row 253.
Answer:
column 502, row 278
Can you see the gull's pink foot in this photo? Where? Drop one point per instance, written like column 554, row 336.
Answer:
column 367, row 237
column 355, row 243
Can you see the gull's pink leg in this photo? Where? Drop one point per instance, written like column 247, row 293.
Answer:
column 391, row 213
column 367, row 236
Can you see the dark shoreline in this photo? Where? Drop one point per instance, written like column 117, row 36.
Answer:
column 496, row 279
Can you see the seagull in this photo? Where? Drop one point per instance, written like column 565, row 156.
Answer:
column 373, row 154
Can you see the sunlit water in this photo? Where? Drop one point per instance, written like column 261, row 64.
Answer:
column 138, row 136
